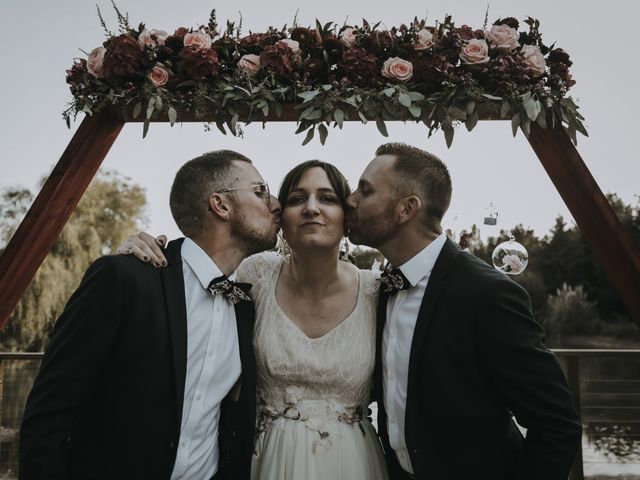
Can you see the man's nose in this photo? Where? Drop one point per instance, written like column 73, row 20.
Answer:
column 274, row 205
column 351, row 204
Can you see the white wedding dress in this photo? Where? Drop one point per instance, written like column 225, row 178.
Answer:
column 313, row 394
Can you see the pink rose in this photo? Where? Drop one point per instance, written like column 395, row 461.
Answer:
column 348, row 37
column 249, row 63
column 160, row 35
column 475, row 52
column 198, row 39
column 159, row 75
column 534, row 59
column 94, row 62
column 292, row 44
column 503, row 38
column 398, row 69
column 424, row 40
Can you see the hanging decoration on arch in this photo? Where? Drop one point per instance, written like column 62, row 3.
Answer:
column 440, row 75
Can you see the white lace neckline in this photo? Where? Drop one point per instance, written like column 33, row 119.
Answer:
column 296, row 328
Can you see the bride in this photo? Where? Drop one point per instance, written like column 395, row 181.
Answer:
column 314, row 340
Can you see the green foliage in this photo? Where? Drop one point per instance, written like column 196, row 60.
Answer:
column 110, row 209
column 570, row 311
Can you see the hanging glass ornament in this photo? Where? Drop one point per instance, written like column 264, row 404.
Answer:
column 510, row 257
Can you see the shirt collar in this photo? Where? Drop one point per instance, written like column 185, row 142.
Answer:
column 422, row 263
column 202, row 265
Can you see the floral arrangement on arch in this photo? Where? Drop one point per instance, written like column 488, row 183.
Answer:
column 441, row 75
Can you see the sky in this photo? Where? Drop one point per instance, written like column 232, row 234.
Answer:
column 488, row 166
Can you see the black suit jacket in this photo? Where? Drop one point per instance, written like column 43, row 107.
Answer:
column 107, row 402
column 477, row 355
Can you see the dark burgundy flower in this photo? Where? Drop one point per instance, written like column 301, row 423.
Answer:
column 181, row 32
column 558, row 55
column 76, row 76
column 379, row 42
column 510, row 21
column 175, row 43
column 360, row 67
column 255, row 39
column 308, row 39
column 430, row 70
column 333, row 47
column 278, row 58
column 198, row 63
column 124, row 58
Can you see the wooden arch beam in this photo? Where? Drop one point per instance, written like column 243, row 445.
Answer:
column 89, row 146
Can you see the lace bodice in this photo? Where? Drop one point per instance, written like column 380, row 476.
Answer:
column 292, row 368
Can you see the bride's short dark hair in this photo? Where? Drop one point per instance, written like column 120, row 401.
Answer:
column 336, row 179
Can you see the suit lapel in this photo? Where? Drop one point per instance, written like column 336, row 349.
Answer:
column 173, row 283
column 435, row 286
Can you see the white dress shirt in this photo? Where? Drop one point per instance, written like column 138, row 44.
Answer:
column 402, row 313
column 213, row 366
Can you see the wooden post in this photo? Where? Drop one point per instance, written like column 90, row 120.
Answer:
column 52, row 208
column 611, row 243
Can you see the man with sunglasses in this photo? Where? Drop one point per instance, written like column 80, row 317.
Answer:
column 150, row 372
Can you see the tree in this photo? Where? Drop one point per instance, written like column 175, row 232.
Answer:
column 110, row 210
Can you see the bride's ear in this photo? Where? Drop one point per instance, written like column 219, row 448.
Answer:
column 219, row 206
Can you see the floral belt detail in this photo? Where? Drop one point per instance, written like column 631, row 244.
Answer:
column 315, row 414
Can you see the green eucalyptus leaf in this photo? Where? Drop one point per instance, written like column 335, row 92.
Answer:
column 159, row 103
column 220, row 126
column 472, row 121
column 278, row 107
column 362, row 117
column 326, row 87
column 306, row 112
column 338, row 116
column 457, row 114
column 308, row 96
column 404, row 99
column 532, row 108
column 515, row 123
column 504, row 110
column 145, row 128
column 471, row 106
column 265, row 109
column 315, row 115
column 416, row 96
column 137, row 109
column 415, row 110
column 173, row 115
column 351, row 101
column 580, row 127
column 491, row 97
column 525, row 125
column 541, row 120
column 151, row 107
column 309, row 136
column 323, row 132
column 448, row 135
column 382, row 127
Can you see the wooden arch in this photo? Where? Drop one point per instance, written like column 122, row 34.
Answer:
column 60, row 194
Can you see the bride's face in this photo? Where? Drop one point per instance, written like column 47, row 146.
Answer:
column 312, row 216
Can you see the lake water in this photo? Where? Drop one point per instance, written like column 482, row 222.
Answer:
column 610, row 393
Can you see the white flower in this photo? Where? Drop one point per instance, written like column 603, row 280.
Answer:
column 348, row 37
column 513, row 262
column 94, row 62
column 198, row 39
column 292, row 44
column 534, row 59
column 315, row 423
column 293, row 394
column 424, row 39
column 321, row 446
column 503, row 38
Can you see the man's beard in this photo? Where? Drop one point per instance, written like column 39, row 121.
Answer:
column 374, row 231
column 252, row 240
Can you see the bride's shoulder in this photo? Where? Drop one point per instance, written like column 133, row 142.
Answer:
column 370, row 280
column 257, row 265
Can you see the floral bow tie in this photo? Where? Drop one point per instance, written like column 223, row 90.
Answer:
column 393, row 280
column 233, row 291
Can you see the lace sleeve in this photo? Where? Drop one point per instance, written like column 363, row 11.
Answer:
column 253, row 269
